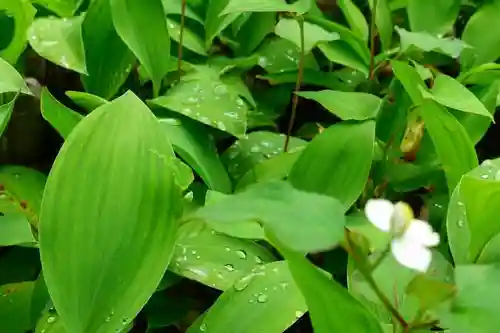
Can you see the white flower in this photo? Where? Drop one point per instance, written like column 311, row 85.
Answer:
column 412, row 237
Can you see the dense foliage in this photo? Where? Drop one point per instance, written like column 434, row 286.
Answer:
column 249, row 166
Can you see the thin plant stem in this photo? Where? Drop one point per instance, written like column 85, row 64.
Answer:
column 373, row 285
column 181, row 38
column 295, row 97
column 372, row 39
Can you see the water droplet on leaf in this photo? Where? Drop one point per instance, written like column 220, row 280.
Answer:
column 229, row 267
column 220, row 89
column 262, row 298
column 242, row 254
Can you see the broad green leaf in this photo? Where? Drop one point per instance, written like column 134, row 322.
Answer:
column 253, row 32
column 306, row 222
column 346, row 105
column 313, row 34
column 254, row 148
column 5, row 114
column 383, row 21
column 86, row 101
column 24, row 189
column 275, row 168
column 337, row 162
column 453, row 145
column 62, row 118
column 471, row 211
column 22, row 12
column 125, row 213
column 491, row 251
column 14, row 230
column 174, row 7
column 15, row 301
column 216, row 21
column 202, row 96
column 477, row 125
column 449, row 92
column 190, row 40
column 312, row 77
column 410, row 79
column 132, row 19
column 341, row 53
column 106, row 73
column 165, row 310
column 483, row 74
column 265, row 300
column 424, row 41
column 475, row 308
column 216, row 260
column 325, row 297
column 279, row 55
column 434, row 17
column 241, row 6
column 59, row 41
column 11, row 80
column 355, row 18
column 485, row 46
column 62, row 8
column 49, row 322
column 357, row 44
column 195, row 146
column 40, row 300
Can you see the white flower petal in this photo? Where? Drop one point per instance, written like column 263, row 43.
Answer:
column 402, row 215
column 411, row 255
column 379, row 212
column 420, row 233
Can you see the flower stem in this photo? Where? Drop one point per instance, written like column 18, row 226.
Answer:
column 380, row 258
column 295, row 97
column 372, row 39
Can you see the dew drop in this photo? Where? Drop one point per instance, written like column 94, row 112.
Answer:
column 187, row 111
column 484, row 176
column 17, row 175
column 262, row 62
column 191, row 100
column 220, row 89
column 460, row 223
column 51, row 319
column 258, row 260
column 298, row 314
column 255, row 149
column 198, row 257
column 193, row 252
column 240, row 102
column 284, row 285
column 242, row 254
column 229, row 267
column 227, row 249
column 242, row 283
column 203, row 327
column 262, row 298
column 221, row 126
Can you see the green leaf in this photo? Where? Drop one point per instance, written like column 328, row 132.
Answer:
column 279, row 55
column 383, row 21
column 197, row 148
column 126, row 214
column 14, row 230
column 434, row 17
column 253, row 32
column 346, row 105
column 24, row 189
column 15, row 301
column 491, row 251
column 59, row 41
column 165, row 310
column 265, row 300
column 5, row 114
column 86, row 101
column 304, row 221
column 275, row 168
column 355, row 18
column 132, row 19
column 62, row 8
column 475, row 308
column 241, row 6
column 190, row 40
column 106, row 74
column 341, row 53
column 49, row 322
column 202, row 96
column 337, row 162
column 410, row 79
column 62, row 118
column 11, row 80
column 216, row 260
column 254, row 148
column 325, row 297
column 477, row 125
column 216, row 21
column 313, row 34
column 471, row 210
column 449, row 92
column 452, row 47
column 453, row 145
column 485, row 46
column 23, row 13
